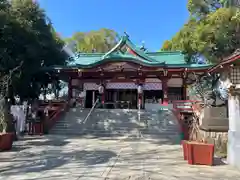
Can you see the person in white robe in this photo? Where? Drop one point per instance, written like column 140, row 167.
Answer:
column 19, row 115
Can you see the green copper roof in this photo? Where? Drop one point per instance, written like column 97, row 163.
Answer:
column 126, row 51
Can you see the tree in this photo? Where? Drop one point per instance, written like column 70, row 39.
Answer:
column 212, row 31
column 29, row 43
column 230, row 3
column 201, row 8
column 37, row 46
column 183, row 40
column 98, row 41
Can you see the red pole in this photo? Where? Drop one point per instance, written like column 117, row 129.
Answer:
column 103, row 98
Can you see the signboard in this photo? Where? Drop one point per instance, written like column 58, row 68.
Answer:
column 119, row 66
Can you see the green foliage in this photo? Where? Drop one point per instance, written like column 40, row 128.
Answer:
column 184, row 40
column 230, row 3
column 99, row 41
column 212, row 30
column 28, row 38
column 201, row 8
column 28, row 42
column 201, row 88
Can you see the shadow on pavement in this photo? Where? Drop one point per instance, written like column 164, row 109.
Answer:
column 39, row 162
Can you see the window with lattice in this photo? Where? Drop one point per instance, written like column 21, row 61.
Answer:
column 235, row 75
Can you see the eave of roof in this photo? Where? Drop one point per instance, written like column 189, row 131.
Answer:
column 229, row 60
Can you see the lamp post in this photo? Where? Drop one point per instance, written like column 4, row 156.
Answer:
column 140, row 92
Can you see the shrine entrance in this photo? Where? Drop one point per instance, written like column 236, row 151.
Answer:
column 125, row 98
column 121, row 98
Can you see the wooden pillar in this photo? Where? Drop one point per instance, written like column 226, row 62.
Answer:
column 184, row 93
column 70, row 89
column 165, row 90
column 81, row 98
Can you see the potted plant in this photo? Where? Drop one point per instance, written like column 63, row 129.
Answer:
column 7, row 130
column 197, row 151
column 186, row 137
column 6, row 135
column 200, row 153
column 185, row 150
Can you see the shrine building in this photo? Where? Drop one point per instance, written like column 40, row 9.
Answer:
column 128, row 76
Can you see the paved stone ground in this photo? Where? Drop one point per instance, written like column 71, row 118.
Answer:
column 58, row 157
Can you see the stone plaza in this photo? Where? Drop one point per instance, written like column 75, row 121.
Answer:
column 74, row 158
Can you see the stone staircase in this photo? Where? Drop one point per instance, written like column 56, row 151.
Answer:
column 117, row 122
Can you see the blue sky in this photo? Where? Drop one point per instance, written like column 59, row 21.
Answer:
column 152, row 21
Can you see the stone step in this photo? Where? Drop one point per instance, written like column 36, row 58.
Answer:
column 119, row 123
column 117, row 119
column 123, row 129
column 70, row 126
column 118, row 126
column 108, row 122
column 150, row 123
column 86, row 131
column 117, row 129
column 170, row 129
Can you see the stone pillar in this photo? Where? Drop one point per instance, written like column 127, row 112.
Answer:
column 165, row 91
column 70, row 89
column 234, row 129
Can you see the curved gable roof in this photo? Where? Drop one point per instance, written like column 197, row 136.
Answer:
column 126, row 51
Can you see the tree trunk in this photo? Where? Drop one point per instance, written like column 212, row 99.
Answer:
column 6, row 117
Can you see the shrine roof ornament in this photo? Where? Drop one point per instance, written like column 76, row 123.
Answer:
column 125, row 46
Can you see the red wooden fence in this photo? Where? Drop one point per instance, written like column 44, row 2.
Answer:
column 56, row 110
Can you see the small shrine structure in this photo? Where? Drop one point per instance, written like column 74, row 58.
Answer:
column 229, row 68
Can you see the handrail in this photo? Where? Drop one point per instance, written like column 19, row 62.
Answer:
column 91, row 110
